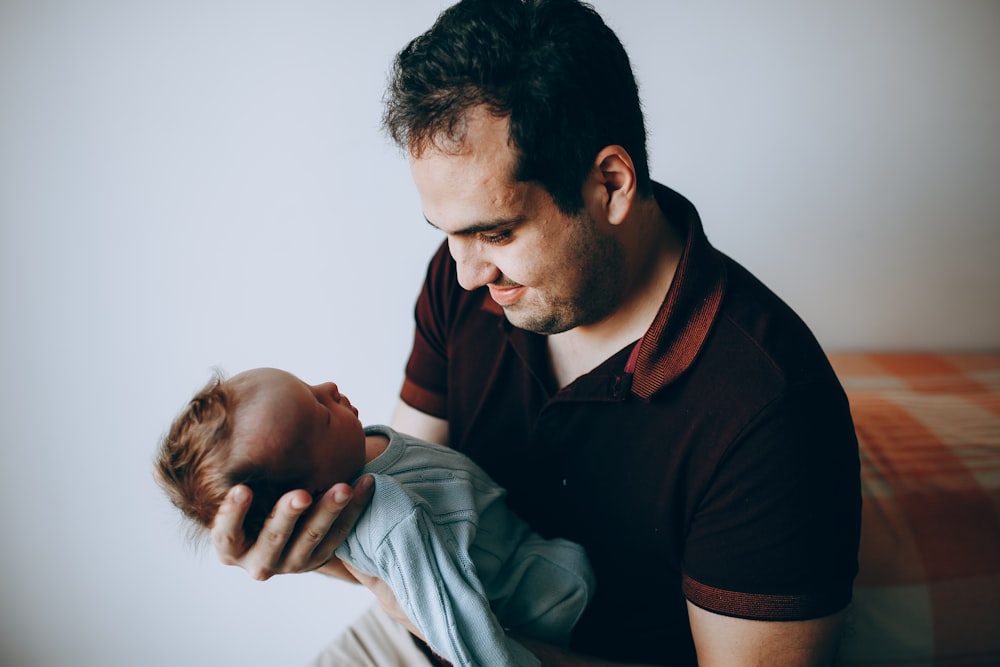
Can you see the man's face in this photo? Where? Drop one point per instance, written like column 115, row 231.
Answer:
column 549, row 271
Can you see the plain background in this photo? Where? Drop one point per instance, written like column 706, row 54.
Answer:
column 203, row 183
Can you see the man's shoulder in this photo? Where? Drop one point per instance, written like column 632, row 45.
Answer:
column 760, row 330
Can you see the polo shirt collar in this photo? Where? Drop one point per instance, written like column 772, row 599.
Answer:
column 682, row 324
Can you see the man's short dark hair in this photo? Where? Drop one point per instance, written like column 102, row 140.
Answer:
column 553, row 67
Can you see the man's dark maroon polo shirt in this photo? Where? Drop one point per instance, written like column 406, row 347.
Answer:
column 715, row 460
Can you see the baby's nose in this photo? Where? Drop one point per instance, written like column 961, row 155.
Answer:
column 330, row 389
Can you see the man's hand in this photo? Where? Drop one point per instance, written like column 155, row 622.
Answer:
column 386, row 599
column 299, row 536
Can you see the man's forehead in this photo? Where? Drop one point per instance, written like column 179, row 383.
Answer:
column 468, row 196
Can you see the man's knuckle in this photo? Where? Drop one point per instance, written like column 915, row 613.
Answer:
column 225, row 544
column 312, row 535
column 273, row 539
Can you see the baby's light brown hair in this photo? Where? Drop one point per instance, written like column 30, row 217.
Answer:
column 196, row 468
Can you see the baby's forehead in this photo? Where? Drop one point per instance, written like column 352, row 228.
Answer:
column 268, row 414
column 266, row 389
column 261, row 378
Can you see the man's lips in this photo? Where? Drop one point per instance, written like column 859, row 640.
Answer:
column 506, row 296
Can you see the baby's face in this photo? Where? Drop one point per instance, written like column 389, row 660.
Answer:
column 295, row 430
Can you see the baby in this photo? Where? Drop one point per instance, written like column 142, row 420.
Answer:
column 462, row 565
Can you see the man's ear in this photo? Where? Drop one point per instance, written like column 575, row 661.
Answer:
column 615, row 174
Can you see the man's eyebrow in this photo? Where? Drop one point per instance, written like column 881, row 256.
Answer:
column 482, row 227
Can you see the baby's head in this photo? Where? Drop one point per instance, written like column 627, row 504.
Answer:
column 264, row 428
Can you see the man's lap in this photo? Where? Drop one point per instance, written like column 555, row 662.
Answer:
column 372, row 640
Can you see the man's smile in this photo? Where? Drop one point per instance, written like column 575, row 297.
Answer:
column 506, row 295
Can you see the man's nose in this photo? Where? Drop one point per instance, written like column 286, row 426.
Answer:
column 475, row 268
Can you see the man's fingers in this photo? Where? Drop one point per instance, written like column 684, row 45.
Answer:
column 261, row 560
column 227, row 528
column 282, row 546
column 349, row 515
column 323, row 530
column 302, row 553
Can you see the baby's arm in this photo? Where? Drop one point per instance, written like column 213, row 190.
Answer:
column 433, row 581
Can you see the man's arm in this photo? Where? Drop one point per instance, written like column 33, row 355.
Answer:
column 722, row 641
column 411, row 421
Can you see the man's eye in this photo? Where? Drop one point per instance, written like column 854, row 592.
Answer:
column 497, row 238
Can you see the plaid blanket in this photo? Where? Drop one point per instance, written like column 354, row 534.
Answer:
column 928, row 591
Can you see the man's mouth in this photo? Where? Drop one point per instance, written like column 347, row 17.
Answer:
column 506, row 295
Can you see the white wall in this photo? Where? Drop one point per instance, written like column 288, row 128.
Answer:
column 195, row 183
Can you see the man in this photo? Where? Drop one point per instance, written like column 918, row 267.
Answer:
column 634, row 389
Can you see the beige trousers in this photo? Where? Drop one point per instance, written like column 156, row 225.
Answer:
column 373, row 640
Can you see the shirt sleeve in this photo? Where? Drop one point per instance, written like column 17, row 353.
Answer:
column 425, row 386
column 776, row 535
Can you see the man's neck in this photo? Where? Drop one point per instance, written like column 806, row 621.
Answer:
column 654, row 249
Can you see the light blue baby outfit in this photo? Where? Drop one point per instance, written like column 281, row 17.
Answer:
column 462, row 565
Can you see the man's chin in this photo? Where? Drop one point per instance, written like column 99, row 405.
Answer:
column 534, row 322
